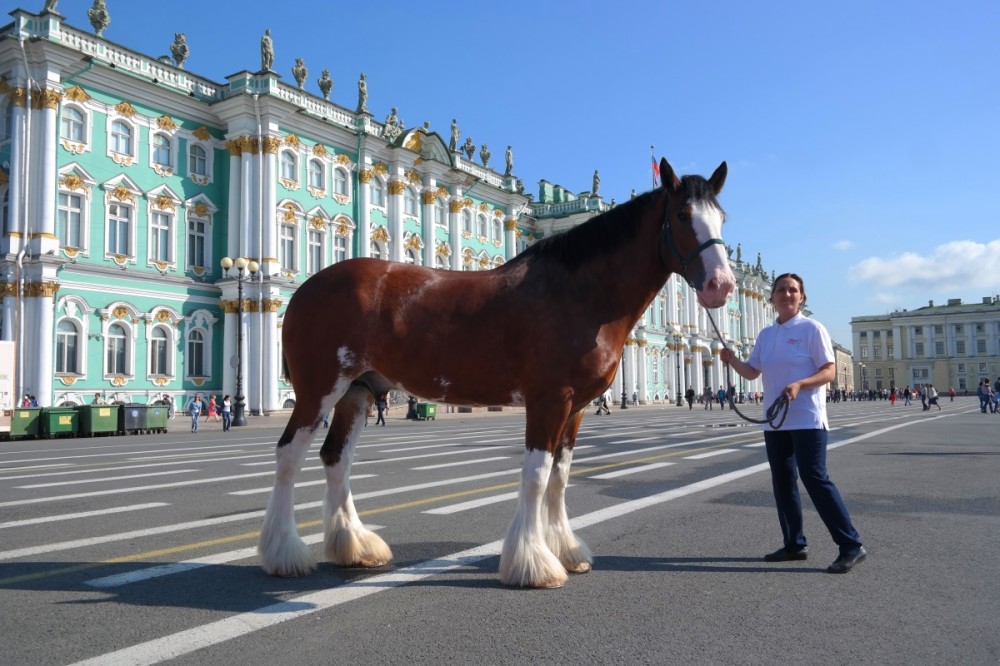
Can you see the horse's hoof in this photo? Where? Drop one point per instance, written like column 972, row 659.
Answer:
column 579, row 568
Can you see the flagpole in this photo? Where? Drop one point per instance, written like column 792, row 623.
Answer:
column 652, row 157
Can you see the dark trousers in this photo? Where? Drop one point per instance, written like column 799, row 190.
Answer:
column 227, row 421
column 802, row 453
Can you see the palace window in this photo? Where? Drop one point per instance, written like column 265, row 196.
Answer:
column 339, row 248
column 161, row 237
column 409, row 202
column 70, row 220
column 198, row 161
column 864, row 352
column 158, row 346
column 482, row 226
column 162, row 151
column 314, row 252
column 121, row 138
column 440, row 218
column 67, row 343
column 289, row 169
column 959, row 347
column 196, row 241
column 411, row 257
column 919, row 349
column 119, row 229
column 195, row 358
column 467, row 222
column 316, row 175
column 116, row 341
column 71, row 127
column 378, row 192
column 340, row 182
column 286, row 247
column 939, row 348
column 497, row 229
column 980, row 346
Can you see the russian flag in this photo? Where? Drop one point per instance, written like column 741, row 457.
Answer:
column 656, row 173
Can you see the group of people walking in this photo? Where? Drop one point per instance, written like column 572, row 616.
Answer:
column 213, row 409
column 989, row 396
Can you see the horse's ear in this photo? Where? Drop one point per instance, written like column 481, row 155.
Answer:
column 667, row 176
column 718, row 178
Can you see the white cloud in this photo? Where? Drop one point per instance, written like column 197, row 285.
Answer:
column 843, row 245
column 959, row 267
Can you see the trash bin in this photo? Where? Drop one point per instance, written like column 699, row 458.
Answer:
column 156, row 418
column 97, row 420
column 24, row 422
column 58, row 421
column 427, row 411
column 132, row 418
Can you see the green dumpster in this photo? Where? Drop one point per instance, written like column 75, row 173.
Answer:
column 58, row 421
column 156, row 418
column 427, row 411
column 24, row 422
column 97, row 420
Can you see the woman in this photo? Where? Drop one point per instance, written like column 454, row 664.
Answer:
column 227, row 413
column 213, row 410
column 795, row 357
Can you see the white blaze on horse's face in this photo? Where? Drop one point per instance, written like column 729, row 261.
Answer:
column 719, row 281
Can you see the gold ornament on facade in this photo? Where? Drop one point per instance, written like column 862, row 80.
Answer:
column 270, row 305
column 160, row 381
column 233, row 146
column 198, row 270
column 70, row 252
column 380, row 168
column 343, row 159
column 443, row 250
column 120, row 312
column 118, row 380
column 396, row 186
column 248, row 144
column 498, row 213
column 47, row 99
column 162, row 316
column 201, row 209
column 66, row 380
column 122, row 193
column 319, row 150
column 484, row 262
column 202, row 133
column 643, row 343
column 164, row 202
column 77, row 94
column 429, row 196
column 161, row 266
column 292, row 140
column 121, row 160
column 365, row 176
column 167, row 123
column 71, row 181
column 455, row 206
column 510, row 224
column 289, row 214
column 415, row 142
column 412, row 243
column 125, row 109
column 342, row 228
column 467, row 202
column 41, row 289
column 271, row 145
column 18, row 96
column 317, row 222
column 484, row 207
column 413, row 177
column 381, row 235
column 4, row 178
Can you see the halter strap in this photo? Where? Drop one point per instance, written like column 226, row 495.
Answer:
column 668, row 239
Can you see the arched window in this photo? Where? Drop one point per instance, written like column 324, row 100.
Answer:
column 196, row 354
column 314, row 251
column 376, row 251
column 497, row 229
column 199, row 161
column 288, row 167
column 483, row 226
column 117, row 348
column 411, row 257
column 339, row 248
column 316, row 175
column 467, row 222
column 440, row 217
column 161, row 150
column 158, row 352
column 287, row 251
column 121, row 138
column 440, row 261
column 409, row 202
column 67, row 339
column 71, row 127
column 340, row 182
column 378, row 192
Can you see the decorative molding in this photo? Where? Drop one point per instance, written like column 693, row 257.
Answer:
column 317, row 222
column 365, row 176
column 455, row 206
column 167, row 123
column 47, row 98
column 202, row 133
column 234, row 147
column 319, row 150
column 510, row 224
column 125, row 108
column 292, row 140
column 380, row 168
column 41, row 289
column 270, row 305
column 71, row 181
column 413, row 177
column 343, row 159
column 381, row 235
column 429, row 196
column 122, row 193
column 248, row 144
column 201, row 209
column 164, row 202
column 397, row 186
column 271, row 145
column 77, row 94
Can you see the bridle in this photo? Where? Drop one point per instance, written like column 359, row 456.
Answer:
column 778, row 410
column 667, row 239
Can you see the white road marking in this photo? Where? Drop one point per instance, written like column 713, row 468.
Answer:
column 81, row 514
column 709, row 454
column 630, row 470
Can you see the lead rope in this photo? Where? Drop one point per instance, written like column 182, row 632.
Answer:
column 778, row 411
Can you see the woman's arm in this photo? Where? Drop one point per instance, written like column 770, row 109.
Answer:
column 826, row 374
column 742, row 368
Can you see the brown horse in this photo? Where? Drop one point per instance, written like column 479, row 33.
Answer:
column 550, row 325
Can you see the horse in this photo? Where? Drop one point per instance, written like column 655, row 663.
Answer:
column 548, row 328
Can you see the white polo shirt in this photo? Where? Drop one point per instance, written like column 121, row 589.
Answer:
column 789, row 352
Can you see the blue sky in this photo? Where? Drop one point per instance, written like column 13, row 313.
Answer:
column 861, row 136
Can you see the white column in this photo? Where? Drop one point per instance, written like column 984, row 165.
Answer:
column 428, row 230
column 395, row 210
column 642, row 377
column 41, row 309
column 455, row 227
column 268, row 318
column 510, row 234
column 364, row 222
column 45, row 185
column 269, row 264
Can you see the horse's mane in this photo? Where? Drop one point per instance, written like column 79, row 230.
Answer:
column 605, row 233
column 599, row 236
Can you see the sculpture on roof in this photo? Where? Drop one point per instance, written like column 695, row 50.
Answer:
column 485, row 155
column 509, row 159
column 299, row 72
column 739, row 252
column 325, row 84
column 393, row 126
column 469, row 148
column 453, row 144
column 596, row 188
column 179, row 49
column 363, row 94
column 266, row 52
column 50, row 6
column 99, row 18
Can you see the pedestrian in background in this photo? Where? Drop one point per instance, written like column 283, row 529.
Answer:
column 194, row 409
column 227, row 413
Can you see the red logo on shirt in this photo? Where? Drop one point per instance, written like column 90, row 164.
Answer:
column 793, row 341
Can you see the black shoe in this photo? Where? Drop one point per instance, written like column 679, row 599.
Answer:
column 845, row 563
column 782, row 555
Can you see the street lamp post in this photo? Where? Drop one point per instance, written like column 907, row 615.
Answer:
column 243, row 267
column 680, row 380
column 624, row 383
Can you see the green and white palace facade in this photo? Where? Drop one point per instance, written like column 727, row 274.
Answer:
column 126, row 179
